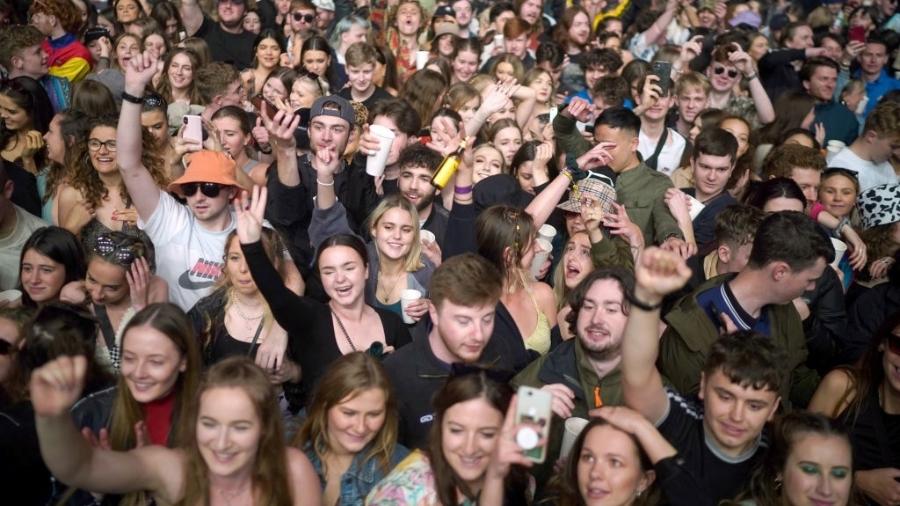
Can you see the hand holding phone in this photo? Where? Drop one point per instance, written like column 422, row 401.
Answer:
column 534, row 410
column 663, row 70
column 193, row 128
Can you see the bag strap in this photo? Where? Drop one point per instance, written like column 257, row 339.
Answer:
column 109, row 335
column 654, row 158
column 255, row 337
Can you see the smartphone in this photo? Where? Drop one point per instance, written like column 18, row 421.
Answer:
column 258, row 100
column 534, row 407
column 857, row 34
column 663, row 70
column 193, row 128
column 553, row 112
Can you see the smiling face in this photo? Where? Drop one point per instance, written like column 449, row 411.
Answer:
column 355, row 421
column 228, row 431
column 42, row 278
column 151, row 363
column 394, row 233
column 808, row 180
column 414, row 184
column 304, row 93
column 469, row 433
column 56, row 145
column 722, row 76
column 837, row 193
column 14, row 117
column 600, row 324
column 181, row 72
column 818, row 471
column 487, row 161
column 821, row 83
column 734, row 414
column 609, row 468
column 343, row 274
column 576, row 259
column 231, row 13
column 580, row 30
column 273, row 90
column 360, row 76
column 267, row 53
column 508, row 141
column 465, row 64
column 103, row 159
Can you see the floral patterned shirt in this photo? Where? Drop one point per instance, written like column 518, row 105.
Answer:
column 411, row 483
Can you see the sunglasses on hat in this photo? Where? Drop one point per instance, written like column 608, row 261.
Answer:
column 299, row 16
column 211, row 190
column 732, row 73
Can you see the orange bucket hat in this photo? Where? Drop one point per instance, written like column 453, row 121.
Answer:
column 207, row 167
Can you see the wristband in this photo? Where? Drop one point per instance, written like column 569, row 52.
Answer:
column 319, row 181
column 751, row 76
column 131, row 98
column 462, row 190
column 640, row 304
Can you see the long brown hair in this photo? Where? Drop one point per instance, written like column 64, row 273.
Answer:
column 271, row 486
column 504, row 233
column 459, row 389
column 346, row 378
column 165, row 87
column 171, row 321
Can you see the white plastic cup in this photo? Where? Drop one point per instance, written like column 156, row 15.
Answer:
column 422, row 59
column 696, row 207
column 376, row 161
column 547, row 232
column 838, row 145
column 408, row 295
column 840, row 247
column 10, row 296
column 426, row 236
column 573, row 428
column 542, row 251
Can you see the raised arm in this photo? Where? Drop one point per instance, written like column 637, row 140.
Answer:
column 281, row 129
column 191, row 16
column 657, row 273
column 658, row 28
column 744, row 63
column 54, row 389
column 140, row 184
column 491, row 102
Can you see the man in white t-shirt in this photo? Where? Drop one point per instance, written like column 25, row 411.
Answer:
column 870, row 153
column 189, row 240
column 16, row 226
column 660, row 147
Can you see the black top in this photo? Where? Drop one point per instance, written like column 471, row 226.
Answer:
column 315, row 345
column 705, row 222
column 23, row 475
column 720, row 477
column 236, row 49
column 874, row 435
column 378, row 95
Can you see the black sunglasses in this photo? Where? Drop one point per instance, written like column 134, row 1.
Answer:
column 211, row 190
column 732, row 73
column 303, row 17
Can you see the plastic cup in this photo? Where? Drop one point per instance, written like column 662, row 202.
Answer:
column 542, row 251
column 573, row 428
column 840, row 247
column 547, row 232
column 376, row 161
column 696, row 207
column 426, row 236
column 406, row 297
column 838, row 145
column 422, row 59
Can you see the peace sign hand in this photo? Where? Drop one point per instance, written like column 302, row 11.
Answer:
column 250, row 214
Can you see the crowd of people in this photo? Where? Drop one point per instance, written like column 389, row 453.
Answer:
column 305, row 252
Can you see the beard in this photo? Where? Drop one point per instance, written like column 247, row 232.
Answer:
column 601, row 351
column 424, row 202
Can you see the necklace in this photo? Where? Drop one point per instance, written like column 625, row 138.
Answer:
column 249, row 324
column 386, row 294
column 344, row 330
column 230, row 495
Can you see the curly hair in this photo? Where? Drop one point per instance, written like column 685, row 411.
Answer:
column 879, row 241
column 15, row 39
column 85, row 179
column 64, row 11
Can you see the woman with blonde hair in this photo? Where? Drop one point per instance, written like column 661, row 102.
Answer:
column 233, row 447
column 350, row 433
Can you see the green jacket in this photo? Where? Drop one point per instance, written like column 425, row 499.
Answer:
column 568, row 364
column 641, row 189
column 690, row 333
column 612, row 251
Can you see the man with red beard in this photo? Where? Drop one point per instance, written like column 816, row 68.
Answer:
column 228, row 41
column 583, row 373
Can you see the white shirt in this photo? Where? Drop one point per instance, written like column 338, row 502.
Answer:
column 11, row 246
column 869, row 173
column 670, row 156
column 189, row 257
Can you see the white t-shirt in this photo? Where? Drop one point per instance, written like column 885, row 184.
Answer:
column 11, row 246
column 669, row 157
column 189, row 257
column 869, row 173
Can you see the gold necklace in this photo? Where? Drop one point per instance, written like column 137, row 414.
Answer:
column 386, row 295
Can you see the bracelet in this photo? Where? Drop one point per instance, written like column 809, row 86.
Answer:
column 840, row 226
column 462, row 190
column 751, row 76
column 267, row 151
column 568, row 173
column 319, row 181
column 641, row 304
column 131, row 98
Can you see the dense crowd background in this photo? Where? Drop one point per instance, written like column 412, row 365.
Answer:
column 306, row 251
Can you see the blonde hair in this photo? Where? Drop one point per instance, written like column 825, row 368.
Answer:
column 413, row 261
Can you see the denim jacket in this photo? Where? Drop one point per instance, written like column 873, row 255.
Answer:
column 360, row 477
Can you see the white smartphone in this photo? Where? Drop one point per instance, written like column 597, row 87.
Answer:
column 534, row 407
column 193, row 128
column 553, row 112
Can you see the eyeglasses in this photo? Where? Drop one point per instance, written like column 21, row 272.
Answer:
column 211, row 190
column 107, row 248
column 299, row 16
column 96, row 144
column 893, row 342
column 732, row 73
column 6, row 347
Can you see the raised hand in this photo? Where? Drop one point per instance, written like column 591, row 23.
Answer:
column 140, row 70
column 563, row 399
column 579, row 109
column 591, row 213
column 598, row 156
column 622, row 418
column 280, row 128
column 690, row 50
column 679, row 204
column 495, row 99
column 249, row 214
column 658, row 273
column 507, row 452
column 138, row 277
column 619, row 223
column 740, row 59
column 57, row 385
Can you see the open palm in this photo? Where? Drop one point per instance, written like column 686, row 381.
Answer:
column 249, row 214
